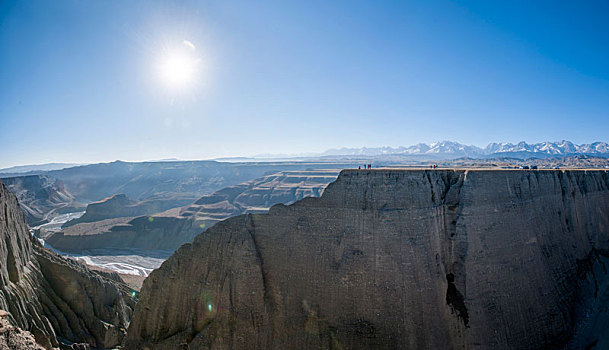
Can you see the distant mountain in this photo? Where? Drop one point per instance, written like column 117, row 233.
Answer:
column 37, row 167
column 142, row 181
column 455, row 149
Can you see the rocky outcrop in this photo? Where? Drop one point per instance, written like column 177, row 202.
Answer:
column 14, row 338
column 41, row 197
column 170, row 229
column 108, row 208
column 387, row 259
column 260, row 194
column 59, row 301
column 120, row 205
column 144, row 232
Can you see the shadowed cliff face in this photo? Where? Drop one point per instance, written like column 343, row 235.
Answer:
column 395, row 259
column 54, row 298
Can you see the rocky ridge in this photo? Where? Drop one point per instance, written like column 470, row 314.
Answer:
column 451, row 149
column 120, row 205
column 396, row 258
column 59, row 301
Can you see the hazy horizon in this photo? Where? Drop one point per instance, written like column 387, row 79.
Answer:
column 86, row 82
column 260, row 156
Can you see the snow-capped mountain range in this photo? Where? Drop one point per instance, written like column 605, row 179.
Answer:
column 560, row 148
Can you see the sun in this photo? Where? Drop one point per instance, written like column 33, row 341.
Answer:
column 179, row 66
column 178, row 70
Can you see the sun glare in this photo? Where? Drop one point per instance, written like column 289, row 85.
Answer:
column 179, row 66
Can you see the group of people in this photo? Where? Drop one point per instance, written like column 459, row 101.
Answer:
column 369, row 166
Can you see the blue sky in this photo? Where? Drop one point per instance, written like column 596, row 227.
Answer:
column 79, row 79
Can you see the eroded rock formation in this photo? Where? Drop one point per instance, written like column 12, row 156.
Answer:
column 141, row 180
column 120, row 205
column 41, row 197
column 14, row 338
column 59, row 301
column 170, row 229
column 396, row 259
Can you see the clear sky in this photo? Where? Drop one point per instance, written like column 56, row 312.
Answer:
column 85, row 81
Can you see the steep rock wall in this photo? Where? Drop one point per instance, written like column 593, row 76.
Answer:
column 59, row 301
column 395, row 259
column 144, row 232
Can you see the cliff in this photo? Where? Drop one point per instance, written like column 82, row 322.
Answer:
column 170, row 229
column 59, row 301
column 120, row 205
column 108, row 208
column 387, row 259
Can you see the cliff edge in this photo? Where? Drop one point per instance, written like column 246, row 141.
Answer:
column 396, row 259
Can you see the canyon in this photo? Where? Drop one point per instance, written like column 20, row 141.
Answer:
column 169, row 229
column 381, row 258
column 414, row 259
